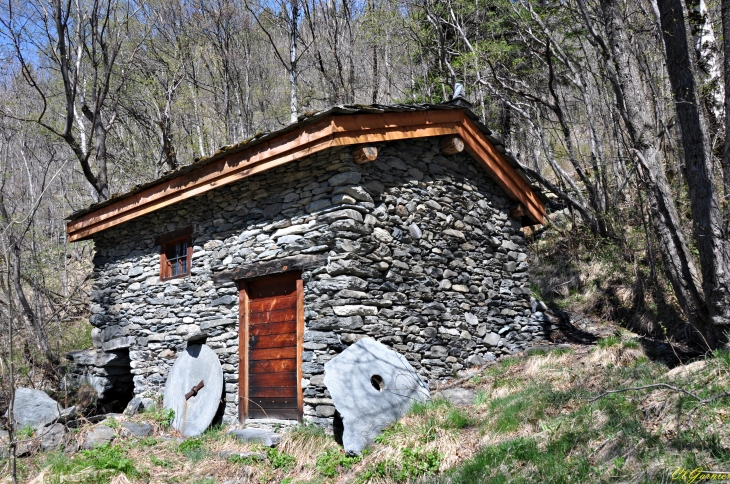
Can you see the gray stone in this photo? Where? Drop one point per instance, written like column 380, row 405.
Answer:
column 261, row 436
column 325, row 410
column 343, row 198
column 34, row 408
column 491, row 339
column 118, row 343
column 475, row 360
column 355, row 310
column 457, row 396
column 415, row 231
column 197, row 363
column 347, row 178
column 133, row 407
column 318, row 205
column 140, row 429
column 352, row 377
column 96, row 436
column 98, row 358
column 358, row 193
column 52, row 436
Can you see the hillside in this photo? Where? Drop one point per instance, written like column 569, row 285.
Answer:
column 534, row 418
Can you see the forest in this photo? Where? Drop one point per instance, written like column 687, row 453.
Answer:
column 617, row 108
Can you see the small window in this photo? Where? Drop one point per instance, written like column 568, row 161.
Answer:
column 176, row 253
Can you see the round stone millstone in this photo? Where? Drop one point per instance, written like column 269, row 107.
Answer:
column 372, row 386
column 197, row 363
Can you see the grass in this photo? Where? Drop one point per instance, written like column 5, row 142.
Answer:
column 609, row 342
column 93, row 466
column 532, row 421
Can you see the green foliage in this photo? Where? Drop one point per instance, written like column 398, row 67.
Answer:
column 562, row 351
column 105, row 460
column 388, row 433
column 722, row 356
column 412, row 463
column 456, row 419
column 190, row 445
column 111, row 422
column 238, row 459
column 481, row 398
column 280, row 460
column 419, row 408
column 25, row 432
column 631, row 344
column 329, row 463
column 608, row 342
column 147, row 441
column 193, row 449
column 510, row 411
column 160, row 462
column 161, row 416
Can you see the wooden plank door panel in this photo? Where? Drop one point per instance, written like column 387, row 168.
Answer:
column 272, row 322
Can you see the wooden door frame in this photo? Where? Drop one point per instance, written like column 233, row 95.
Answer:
column 243, row 339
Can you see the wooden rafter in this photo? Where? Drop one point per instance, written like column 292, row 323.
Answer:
column 333, row 131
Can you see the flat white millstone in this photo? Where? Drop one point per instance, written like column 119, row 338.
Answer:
column 351, row 378
column 197, row 363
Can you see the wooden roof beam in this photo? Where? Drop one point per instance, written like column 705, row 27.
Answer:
column 334, row 131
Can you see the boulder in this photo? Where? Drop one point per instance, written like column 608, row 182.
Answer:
column 52, row 436
column 99, row 435
column 137, row 429
column 34, row 408
column 372, row 387
column 264, row 437
column 139, row 405
column 457, row 396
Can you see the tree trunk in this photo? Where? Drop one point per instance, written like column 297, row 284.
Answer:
column 293, row 59
column 726, row 75
column 678, row 262
column 29, row 316
column 706, row 217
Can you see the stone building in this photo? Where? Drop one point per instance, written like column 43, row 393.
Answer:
column 401, row 223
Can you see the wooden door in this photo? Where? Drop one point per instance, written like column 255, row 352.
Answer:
column 270, row 363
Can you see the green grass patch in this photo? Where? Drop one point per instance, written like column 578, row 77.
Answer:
column 193, row 449
column 510, row 411
column 96, row 466
column 421, row 408
column 333, row 461
column 161, row 416
column 280, row 460
column 562, row 351
column 481, row 398
column 412, row 464
column 457, row 419
column 25, row 432
column 608, row 341
column 508, row 462
column 631, row 344
column 722, row 356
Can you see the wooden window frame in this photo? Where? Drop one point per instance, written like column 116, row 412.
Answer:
column 165, row 241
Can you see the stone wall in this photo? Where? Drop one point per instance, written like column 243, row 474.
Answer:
column 421, row 255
